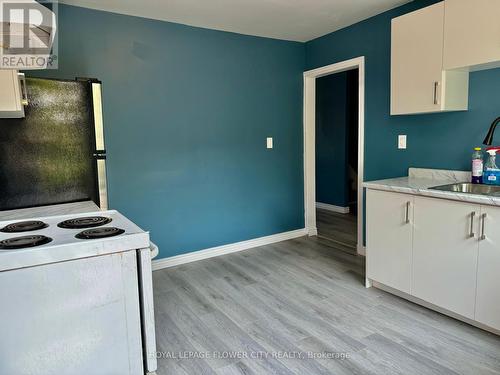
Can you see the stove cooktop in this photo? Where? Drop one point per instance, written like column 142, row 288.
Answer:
column 73, row 223
column 54, row 243
column 69, row 229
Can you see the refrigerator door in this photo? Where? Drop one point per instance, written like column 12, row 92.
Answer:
column 147, row 308
column 49, row 156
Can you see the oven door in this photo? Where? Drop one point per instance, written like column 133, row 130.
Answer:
column 147, row 307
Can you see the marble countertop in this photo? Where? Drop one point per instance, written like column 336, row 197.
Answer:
column 419, row 181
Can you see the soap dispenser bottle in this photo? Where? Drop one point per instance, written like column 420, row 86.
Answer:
column 477, row 166
column 491, row 175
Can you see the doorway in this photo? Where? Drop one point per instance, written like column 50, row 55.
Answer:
column 340, row 218
column 337, row 158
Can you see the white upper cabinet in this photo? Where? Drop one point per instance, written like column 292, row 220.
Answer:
column 471, row 34
column 418, row 82
column 11, row 96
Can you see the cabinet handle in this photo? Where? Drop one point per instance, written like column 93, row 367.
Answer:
column 24, row 91
column 407, row 213
column 483, row 234
column 471, row 233
column 436, row 97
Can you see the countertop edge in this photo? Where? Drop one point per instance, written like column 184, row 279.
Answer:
column 470, row 198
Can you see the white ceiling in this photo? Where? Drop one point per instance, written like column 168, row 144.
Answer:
column 299, row 20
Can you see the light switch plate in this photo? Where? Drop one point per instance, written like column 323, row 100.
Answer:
column 402, row 142
column 269, row 142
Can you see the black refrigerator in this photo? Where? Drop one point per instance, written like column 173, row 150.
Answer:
column 56, row 153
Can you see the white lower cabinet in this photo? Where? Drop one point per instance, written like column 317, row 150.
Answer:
column 488, row 280
column 443, row 252
column 389, row 237
column 445, row 249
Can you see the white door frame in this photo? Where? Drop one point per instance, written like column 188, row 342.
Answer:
column 310, row 141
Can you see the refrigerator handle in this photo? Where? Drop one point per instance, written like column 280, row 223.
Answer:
column 100, row 152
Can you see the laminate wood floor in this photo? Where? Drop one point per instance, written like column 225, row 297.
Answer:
column 297, row 307
column 337, row 227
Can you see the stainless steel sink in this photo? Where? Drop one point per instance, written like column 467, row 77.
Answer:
column 469, row 188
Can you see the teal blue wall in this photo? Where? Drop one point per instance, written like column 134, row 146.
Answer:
column 186, row 114
column 187, row 111
column 442, row 140
column 331, row 140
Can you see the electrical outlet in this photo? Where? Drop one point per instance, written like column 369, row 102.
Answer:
column 269, row 142
column 402, row 142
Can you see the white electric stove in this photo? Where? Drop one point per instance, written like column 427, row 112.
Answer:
column 76, row 294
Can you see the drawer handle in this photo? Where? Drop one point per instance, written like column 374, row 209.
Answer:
column 471, row 233
column 483, row 234
column 407, row 213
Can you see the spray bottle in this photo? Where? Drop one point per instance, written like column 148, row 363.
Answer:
column 491, row 175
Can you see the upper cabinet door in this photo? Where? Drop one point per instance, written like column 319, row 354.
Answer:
column 471, row 34
column 418, row 82
column 416, row 60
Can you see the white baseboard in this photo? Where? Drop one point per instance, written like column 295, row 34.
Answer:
column 331, row 207
column 226, row 249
